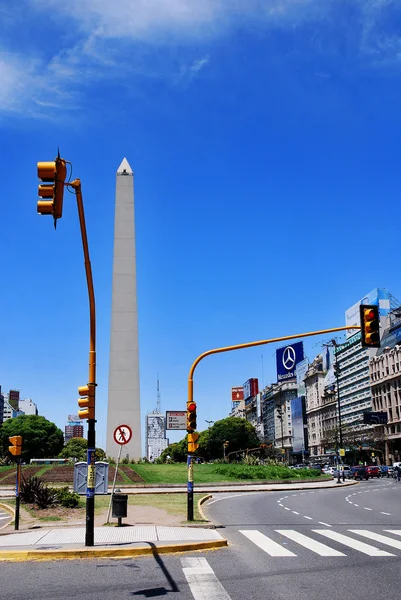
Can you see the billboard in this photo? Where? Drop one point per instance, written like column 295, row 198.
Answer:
column 301, row 370
column 287, row 359
column 378, row 296
column 299, row 431
column 237, row 393
column 13, row 399
column 251, row 388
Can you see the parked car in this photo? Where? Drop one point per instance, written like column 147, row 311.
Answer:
column 359, row 472
column 386, row 471
column 346, row 469
column 373, row 471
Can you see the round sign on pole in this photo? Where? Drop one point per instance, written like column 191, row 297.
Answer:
column 122, row 434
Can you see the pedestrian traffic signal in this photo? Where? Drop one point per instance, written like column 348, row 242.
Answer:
column 370, row 326
column 53, row 174
column 16, row 448
column 192, row 445
column 191, row 416
column 86, row 402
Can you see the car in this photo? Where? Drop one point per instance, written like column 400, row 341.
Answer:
column 359, row 472
column 373, row 471
column 386, row 471
column 343, row 468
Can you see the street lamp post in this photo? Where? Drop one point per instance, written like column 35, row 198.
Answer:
column 280, row 416
column 337, row 371
column 208, row 443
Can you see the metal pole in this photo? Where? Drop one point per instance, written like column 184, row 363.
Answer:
column 190, row 488
column 114, row 482
column 91, row 477
column 17, row 495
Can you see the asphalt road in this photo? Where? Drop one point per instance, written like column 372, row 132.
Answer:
column 304, row 545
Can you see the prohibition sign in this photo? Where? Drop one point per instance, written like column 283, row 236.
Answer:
column 122, row 434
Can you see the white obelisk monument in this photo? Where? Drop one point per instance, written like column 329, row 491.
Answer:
column 124, row 399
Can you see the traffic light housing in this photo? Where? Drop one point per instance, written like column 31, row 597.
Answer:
column 370, row 324
column 192, row 445
column 86, row 402
column 53, row 174
column 16, row 448
column 191, row 416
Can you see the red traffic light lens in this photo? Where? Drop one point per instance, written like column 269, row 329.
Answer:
column 369, row 315
column 191, row 407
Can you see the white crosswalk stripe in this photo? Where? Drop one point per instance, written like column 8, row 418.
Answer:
column 275, row 549
column 265, row 543
column 309, row 543
column 351, row 543
column 201, row 579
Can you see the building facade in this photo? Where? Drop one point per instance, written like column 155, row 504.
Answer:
column 28, row 407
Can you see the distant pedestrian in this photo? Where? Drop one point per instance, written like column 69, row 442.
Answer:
column 397, row 471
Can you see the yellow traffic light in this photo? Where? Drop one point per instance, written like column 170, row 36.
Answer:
column 191, row 416
column 370, row 326
column 16, row 448
column 53, row 174
column 87, row 402
column 192, row 445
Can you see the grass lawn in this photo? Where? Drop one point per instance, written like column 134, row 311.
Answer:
column 217, row 472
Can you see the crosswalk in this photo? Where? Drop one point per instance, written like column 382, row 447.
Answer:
column 4, row 518
column 281, row 543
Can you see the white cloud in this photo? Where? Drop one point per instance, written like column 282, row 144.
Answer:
column 103, row 39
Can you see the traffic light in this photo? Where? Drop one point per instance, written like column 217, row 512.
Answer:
column 87, row 402
column 263, row 446
column 16, row 448
column 226, row 444
column 192, row 445
column 53, row 174
column 191, row 416
column 370, row 326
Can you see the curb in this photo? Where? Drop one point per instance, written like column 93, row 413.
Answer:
column 10, row 511
column 73, row 554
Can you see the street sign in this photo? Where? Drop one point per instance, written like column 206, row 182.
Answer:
column 176, row 419
column 122, row 434
column 375, row 418
column 342, row 452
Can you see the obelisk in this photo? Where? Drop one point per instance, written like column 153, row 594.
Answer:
column 124, row 398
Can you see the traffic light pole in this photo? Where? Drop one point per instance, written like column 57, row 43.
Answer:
column 90, row 485
column 17, row 495
column 190, row 499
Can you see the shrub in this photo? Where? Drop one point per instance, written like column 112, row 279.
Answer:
column 46, row 497
column 67, row 498
column 29, row 489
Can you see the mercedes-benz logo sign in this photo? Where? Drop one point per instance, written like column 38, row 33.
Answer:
column 289, row 358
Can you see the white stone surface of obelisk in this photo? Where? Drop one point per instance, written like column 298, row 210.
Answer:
column 124, row 396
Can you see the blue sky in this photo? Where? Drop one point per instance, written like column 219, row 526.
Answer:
column 264, row 137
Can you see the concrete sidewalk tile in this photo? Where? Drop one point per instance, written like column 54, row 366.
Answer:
column 23, row 539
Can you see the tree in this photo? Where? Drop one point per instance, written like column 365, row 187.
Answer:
column 40, row 438
column 239, row 433
column 76, row 448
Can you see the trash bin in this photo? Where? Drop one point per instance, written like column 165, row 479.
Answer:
column 119, row 506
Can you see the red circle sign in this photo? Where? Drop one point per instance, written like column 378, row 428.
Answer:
column 122, row 434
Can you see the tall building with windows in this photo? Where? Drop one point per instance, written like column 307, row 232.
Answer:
column 28, row 407
column 73, row 429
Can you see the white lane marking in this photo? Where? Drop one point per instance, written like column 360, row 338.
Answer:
column 226, row 498
column 384, row 513
column 281, row 505
column 355, row 504
column 284, row 497
column 396, row 531
column 351, row 543
column 365, row 507
column 202, row 581
column 327, row 525
column 376, row 537
column 265, row 543
column 295, row 512
column 285, row 508
column 309, row 543
column 6, row 517
column 310, row 518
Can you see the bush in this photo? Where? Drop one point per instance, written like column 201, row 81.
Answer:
column 29, row 489
column 66, row 498
column 46, row 497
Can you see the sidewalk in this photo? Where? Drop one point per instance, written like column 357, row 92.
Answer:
column 54, row 543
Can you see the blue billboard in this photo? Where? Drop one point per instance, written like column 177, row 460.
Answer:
column 299, row 432
column 287, row 359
